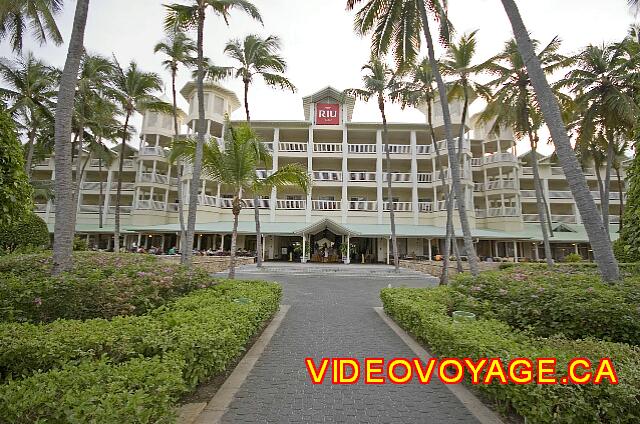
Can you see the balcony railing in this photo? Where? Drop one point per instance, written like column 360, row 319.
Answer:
column 325, row 205
column 424, row 149
column 124, row 210
column 128, row 163
column 286, row 146
column 327, row 147
column 502, row 211
column 566, row 219
column 398, row 206
column 262, row 203
column 207, row 200
column 363, row 205
column 398, row 149
column 425, row 206
column 398, row 177
column 499, row 185
column 148, row 177
column 153, row 151
column 291, row 204
column 528, row 194
column 327, row 175
column 362, row 148
column 362, row 176
column 527, row 170
column 154, row 205
column 425, row 177
column 560, row 195
column 494, row 158
column 173, row 207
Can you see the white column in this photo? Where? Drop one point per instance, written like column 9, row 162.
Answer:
column 576, row 248
column 264, row 242
column 348, row 250
column 304, row 249
column 537, row 253
column 161, row 243
column 430, row 253
column 387, row 251
column 221, row 241
column 157, row 140
column 515, row 250
column 274, row 191
column 414, row 178
column 218, row 200
column 310, row 171
column 199, row 241
column 139, row 239
column 379, row 198
column 344, row 205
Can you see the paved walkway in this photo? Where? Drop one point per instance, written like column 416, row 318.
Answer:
column 332, row 315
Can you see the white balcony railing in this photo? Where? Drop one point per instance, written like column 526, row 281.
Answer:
column 149, row 177
column 502, row 211
column 362, row 148
column 527, row 170
column 173, row 207
column 500, row 185
column 226, row 203
column 398, row 149
column 557, row 171
column 560, row 195
column 325, row 205
column 398, row 206
column 153, row 151
column 327, row 147
column 287, row 146
column 124, row 210
column 425, row 177
column 494, row 158
column 398, row 177
column 566, row 219
column 363, row 205
column 362, row 176
column 291, row 204
column 205, row 200
column 425, row 206
column 128, row 163
column 327, row 175
column 424, row 149
column 528, row 194
column 154, row 205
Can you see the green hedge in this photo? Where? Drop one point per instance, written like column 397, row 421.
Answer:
column 100, row 285
column 559, row 302
column 29, row 232
column 131, row 368
column 424, row 313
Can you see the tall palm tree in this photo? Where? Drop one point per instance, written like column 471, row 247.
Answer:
column 17, row 16
column 134, row 90
column 256, row 56
column 400, row 25
column 192, row 16
column 598, row 237
column 64, row 229
column 420, row 91
column 30, row 88
column 235, row 167
column 605, row 86
column 380, row 84
column 514, row 106
column 179, row 50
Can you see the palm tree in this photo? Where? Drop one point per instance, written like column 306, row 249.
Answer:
column 420, row 91
column 235, row 167
column 30, row 90
column 188, row 17
column 133, row 89
column 400, row 25
column 179, row 49
column 38, row 15
column 605, row 85
column 514, row 106
column 256, row 57
column 598, row 237
column 380, row 83
column 64, row 229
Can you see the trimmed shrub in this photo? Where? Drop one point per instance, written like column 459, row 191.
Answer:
column 572, row 258
column 130, row 369
column 80, row 244
column 565, row 301
column 423, row 312
column 30, row 232
column 100, row 285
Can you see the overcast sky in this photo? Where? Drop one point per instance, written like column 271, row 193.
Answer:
column 319, row 43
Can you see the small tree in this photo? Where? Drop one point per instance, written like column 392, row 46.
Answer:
column 628, row 246
column 29, row 232
column 15, row 191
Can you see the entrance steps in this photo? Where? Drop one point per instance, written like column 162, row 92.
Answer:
column 356, row 270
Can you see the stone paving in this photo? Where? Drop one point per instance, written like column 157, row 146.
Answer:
column 332, row 315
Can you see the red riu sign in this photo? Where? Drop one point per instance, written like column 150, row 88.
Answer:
column 327, row 114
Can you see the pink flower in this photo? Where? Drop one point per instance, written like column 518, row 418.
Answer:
column 37, row 301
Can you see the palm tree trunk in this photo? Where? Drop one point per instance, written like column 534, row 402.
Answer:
column 392, row 215
column 451, row 149
column 30, row 149
column 234, row 237
column 542, row 215
column 256, row 199
column 600, row 242
column 547, row 209
column 621, row 195
column 465, row 110
column 187, row 250
column 116, row 231
column 176, row 131
column 101, row 194
column 83, row 168
column 64, row 227
column 604, row 202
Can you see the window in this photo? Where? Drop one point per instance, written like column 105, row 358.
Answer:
column 218, row 105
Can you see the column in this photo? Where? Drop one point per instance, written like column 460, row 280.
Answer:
column 199, row 242
column 139, row 239
column 430, row 253
column 310, row 171
column 515, row 251
column 274, row 191
column 537, row 253
column 348, row 261
column 222, row 242
column 387, row 250
column 218, row 200
column 304, row 249
column 414, row 177
column 344, row 205
column 379, row 183
column 575, row 245
column 264, row 242
column 162, row 241
column 158, row 137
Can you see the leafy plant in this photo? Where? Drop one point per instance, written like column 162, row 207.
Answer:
column 29, row 232
column 572, row 258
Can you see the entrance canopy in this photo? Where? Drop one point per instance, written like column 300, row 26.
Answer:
column 328, row 224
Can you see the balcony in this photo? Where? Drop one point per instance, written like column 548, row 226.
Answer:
column 327, row 176
column 207, row 200
column 362, row 176
column 153, row 205
column 560, row 195
column 424, row 149
column 325, row 205
column 494, row 158
column 398, row 149
column 425, row 207
column 124, row 210
column 398, row 177
column 528, row 194
column 398, row 206
column 293, row 147
column 291, row 204
column 363, row 205
column 502, row 211
column 95, row 186
column 149, row 177
column 327, row 147
column 495, row 185
column 362, row 149
column 262, row 203
column 153, row 151
column 425, row 177
column 527, row 170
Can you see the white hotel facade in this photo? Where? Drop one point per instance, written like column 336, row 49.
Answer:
column 347, row 201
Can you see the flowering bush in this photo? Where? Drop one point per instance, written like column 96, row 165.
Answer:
column 569, row 301
column 100, row 285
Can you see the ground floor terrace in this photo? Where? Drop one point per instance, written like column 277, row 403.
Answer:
column 327, row 241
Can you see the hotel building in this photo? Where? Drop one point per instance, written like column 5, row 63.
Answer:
column 347, row 202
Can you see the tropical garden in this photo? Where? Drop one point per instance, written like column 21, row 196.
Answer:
column 112, row 337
